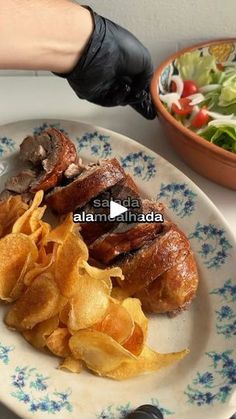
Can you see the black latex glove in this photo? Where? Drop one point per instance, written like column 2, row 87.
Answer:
column 115, row 69
column 146, row 411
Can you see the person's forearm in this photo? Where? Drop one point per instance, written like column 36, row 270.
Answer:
column 43, row 34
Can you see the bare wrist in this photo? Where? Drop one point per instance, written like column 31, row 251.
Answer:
column 71, row 47
column 54, row 41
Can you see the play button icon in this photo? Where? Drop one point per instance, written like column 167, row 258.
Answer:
column 116, row 209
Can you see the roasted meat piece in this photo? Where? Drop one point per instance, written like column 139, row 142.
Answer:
column 92, row 231
column 155, row 258
column 51, row 152
column 21, row 182
column 73, row 170
column 126, row 187
column 125, row 237
column 173, row 290
column 92, row 181
column 112, row 244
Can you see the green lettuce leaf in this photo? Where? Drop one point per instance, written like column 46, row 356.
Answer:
column 228, row 91
column 212, row 103
column 225, row 110
column 223, row 136
column 194, row 67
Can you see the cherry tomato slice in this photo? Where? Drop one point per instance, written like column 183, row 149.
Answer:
column 185, row 109
column 200, row 119
column 190, row 88
column 173, row 87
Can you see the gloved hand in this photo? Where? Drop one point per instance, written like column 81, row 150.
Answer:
column 115, row 69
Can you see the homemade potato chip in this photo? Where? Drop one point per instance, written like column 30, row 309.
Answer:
column 14, row 250
column 134, row 307
column 89, row 304
column 24, row 224
column 117, row 323
column 148, row 361
column 42, row 256
column 99, row 351
column 40, row 235
column 64, row 314
column 37, row 336
column 36, row 235
column 58, row 342
column 35, row 218
column 47, row 265
column 59, row 233
column 103, row 274
column 19, row 285
column 135, row 342
column 41, row 301
column 72, row 251
column 10, row 210
column 71, row 364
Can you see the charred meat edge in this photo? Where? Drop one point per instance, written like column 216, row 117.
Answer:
column 88, row 185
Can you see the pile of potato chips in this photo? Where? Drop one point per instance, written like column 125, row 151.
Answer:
column 63, row 304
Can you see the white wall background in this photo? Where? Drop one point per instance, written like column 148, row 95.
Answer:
column 167, row 25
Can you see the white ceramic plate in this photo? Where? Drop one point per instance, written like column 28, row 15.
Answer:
column 203, row 384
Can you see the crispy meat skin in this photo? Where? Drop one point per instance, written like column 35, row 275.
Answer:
column 92, row 231
column 88, row 185
column 126, row 187
column 53, row 152
column 111, row 245
column 130, row 183
column 173, row 290
column 152, row 260
column 124, row 239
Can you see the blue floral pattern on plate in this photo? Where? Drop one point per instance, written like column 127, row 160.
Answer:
column 31, row 388
column 140, row 164
column 216, row 384
column 4, row 353
column 98, row 144
column 180, row 198
column 7, row 145
column 226, row 314
column 121, row 411
column 213, row 245
column 38, row 130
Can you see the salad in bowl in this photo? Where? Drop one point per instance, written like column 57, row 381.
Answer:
column 194, row 92
column 201, row 94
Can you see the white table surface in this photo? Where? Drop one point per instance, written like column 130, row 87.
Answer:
column 51, row 97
